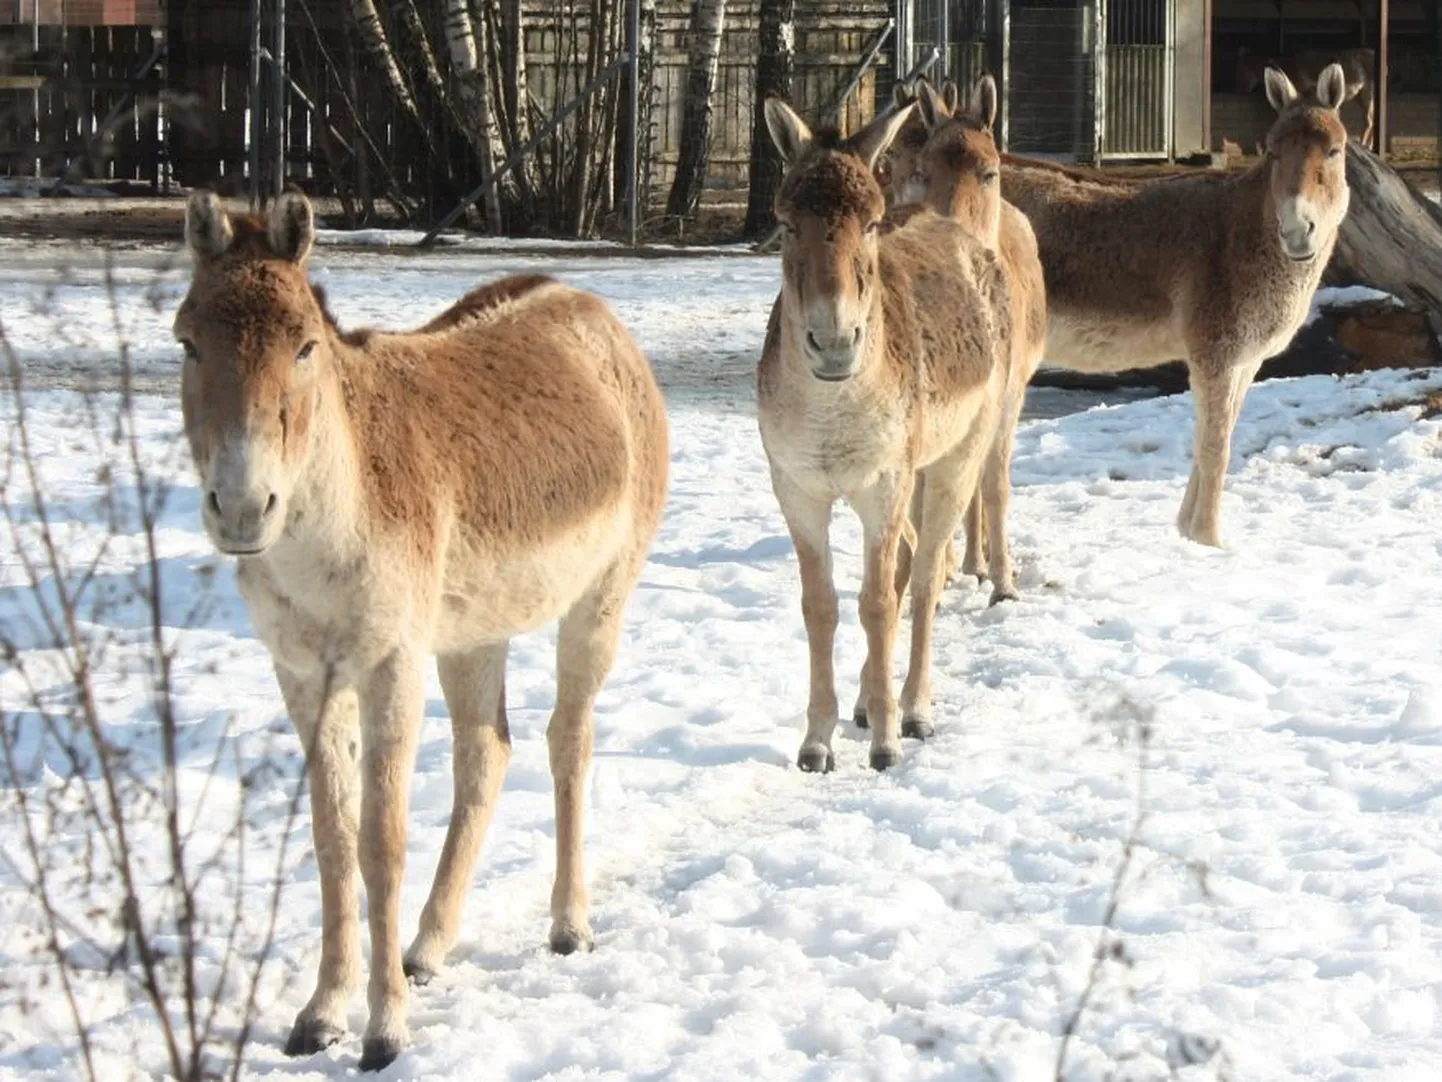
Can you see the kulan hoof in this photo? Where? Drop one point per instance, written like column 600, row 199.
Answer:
column 418, row 973
column 884, row 758
column 999, row 595
column 378, row 1053
column 816, row 759
column 860, row 718
column 568, row 939
column 310, row 1035
column 917, row 729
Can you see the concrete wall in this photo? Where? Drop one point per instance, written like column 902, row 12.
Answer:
column 1189, row 78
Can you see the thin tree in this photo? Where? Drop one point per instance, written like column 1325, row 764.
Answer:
column 775, row 64
column 373, row 39
column 462, row 30
column 708, row 18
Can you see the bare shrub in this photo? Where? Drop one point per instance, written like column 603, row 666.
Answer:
column 149, row 847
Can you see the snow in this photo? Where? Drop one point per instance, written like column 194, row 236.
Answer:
column 33, row 187
column 1332, row 297
column 454, row 240
column 1282, row 918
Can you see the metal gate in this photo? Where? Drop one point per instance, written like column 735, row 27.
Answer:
column 957, row 27
column 1135, row 96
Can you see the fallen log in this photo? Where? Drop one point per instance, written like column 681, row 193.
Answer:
column 1346, row 336
column 1391, row 238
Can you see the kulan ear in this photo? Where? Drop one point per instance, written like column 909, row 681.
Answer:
column 983, row 101
column 870, row 143
column 207, row 226
column 951, row 95
column 1280, row 91
column 932, row 107
column 1331, row 87
column 788, row 131
column 291, row 229
column 902, row 95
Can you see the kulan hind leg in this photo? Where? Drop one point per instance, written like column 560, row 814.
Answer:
column 949, row 483
column 475, row 687
column 585, row 652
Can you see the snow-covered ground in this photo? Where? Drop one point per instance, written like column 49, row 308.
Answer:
column 1282, row 918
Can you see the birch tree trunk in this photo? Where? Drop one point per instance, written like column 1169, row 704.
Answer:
column 466, row 45
column 404, row 13
column 373, row 40
column 708, row 19
column 775, row 63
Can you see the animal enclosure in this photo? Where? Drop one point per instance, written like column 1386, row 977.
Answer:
column 340, row 127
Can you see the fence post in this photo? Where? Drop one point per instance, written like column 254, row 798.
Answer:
column 633, row 106
column 255, row 126
column 278, row 112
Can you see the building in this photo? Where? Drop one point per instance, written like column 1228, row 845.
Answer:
column 1100, row 80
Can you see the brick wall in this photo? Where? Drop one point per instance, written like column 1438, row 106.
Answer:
column 81, row 12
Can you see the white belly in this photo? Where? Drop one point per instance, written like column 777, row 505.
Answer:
column 1103, row 345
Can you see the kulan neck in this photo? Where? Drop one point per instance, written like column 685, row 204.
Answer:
column 326, row 506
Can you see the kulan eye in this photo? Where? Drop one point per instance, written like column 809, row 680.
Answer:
column 1335, row 152
column 305, row 351
column 989, row 177
column 191, row 353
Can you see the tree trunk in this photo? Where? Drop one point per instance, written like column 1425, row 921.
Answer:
column 404, row 13
column 467, row 43
column 708, row 18
column 373, row 40
column 1391, row 238
column 775, row 62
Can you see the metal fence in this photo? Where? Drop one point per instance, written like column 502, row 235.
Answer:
column 1135, row 92
column 961, row 30
column 1085, row 79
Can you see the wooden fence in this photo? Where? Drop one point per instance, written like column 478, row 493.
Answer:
column 74, row 98
column 343, row 131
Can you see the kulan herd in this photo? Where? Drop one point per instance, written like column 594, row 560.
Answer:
column 435, row 492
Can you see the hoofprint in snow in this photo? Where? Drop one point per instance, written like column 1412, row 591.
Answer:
column 1283, row 915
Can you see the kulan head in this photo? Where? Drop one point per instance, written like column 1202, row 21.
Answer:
column 898, row 164
column 256, row 339
column 1307, row 162
column 830, row 208
column 958, row 170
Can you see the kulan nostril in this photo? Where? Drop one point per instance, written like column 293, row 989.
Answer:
column 214, row 502
column 856, row 336
column 1311, row 228
column 270, row 504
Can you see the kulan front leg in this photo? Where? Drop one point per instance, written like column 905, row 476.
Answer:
column 808, row 520
column 1218, row 391
column 326, row 718
column 392, row 702
column 882, row 509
